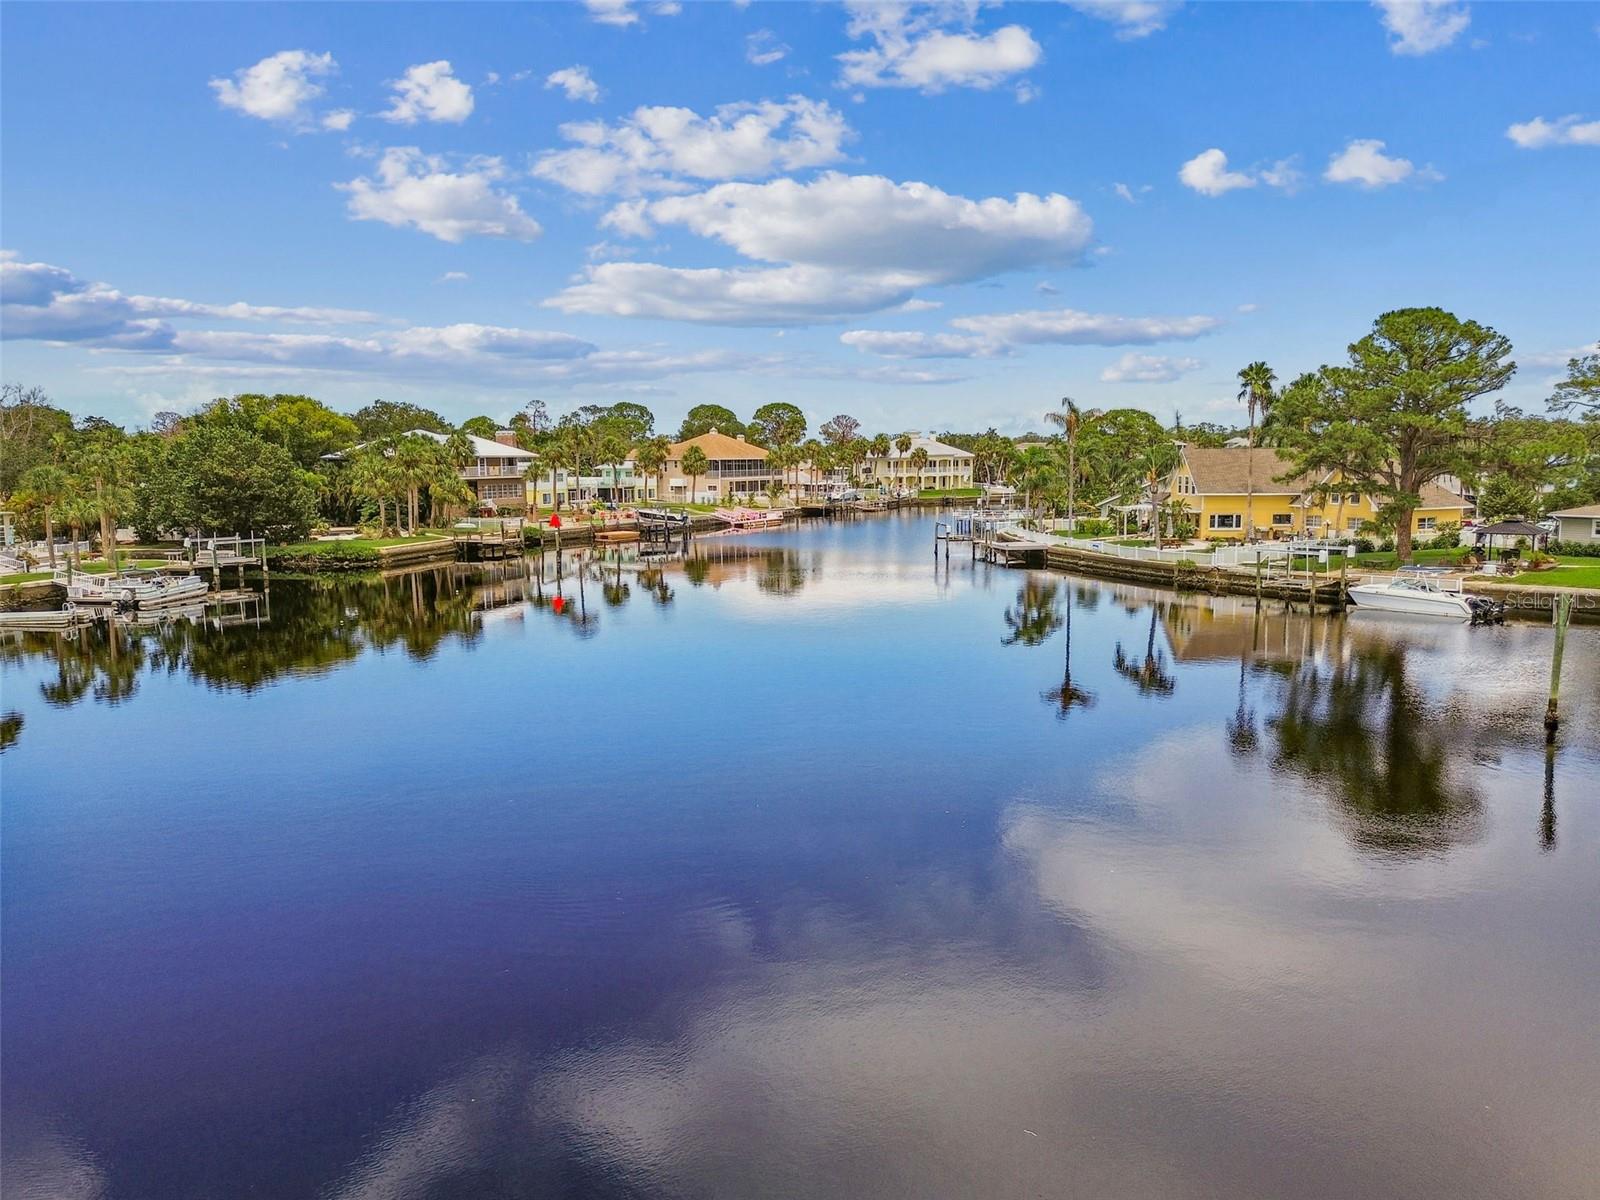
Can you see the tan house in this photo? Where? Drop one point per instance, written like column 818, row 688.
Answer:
column 737, row 468
column 1578, row 524
column 1217, row 486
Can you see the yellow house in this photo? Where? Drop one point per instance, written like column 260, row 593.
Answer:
column 1217, row 486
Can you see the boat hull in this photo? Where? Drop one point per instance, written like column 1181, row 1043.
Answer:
column 1425, row 604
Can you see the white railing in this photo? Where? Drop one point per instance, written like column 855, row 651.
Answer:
column 1217, row 556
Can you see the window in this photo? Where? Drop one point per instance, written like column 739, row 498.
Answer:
column 1426, row 524
column 1595, row 531
column 1313, row 522
column 1283, row 519
column 1226, row 521
column 1356, row 524
column 1185, row 485
column 1353, row 498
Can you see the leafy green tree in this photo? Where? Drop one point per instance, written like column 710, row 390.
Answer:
column 1070, row 421
column 778, row 424
column 703, row 418
column 1581, row 388
column 695, row 464
column 1256, row 384
column 480, row 426
column 389, row 418
column 1397, row 412
column 1118, row 449
column 374, row 477
column 1504, row 496
column 32, row 431
column 229, row 480
column 632, row 421
column 305, row 427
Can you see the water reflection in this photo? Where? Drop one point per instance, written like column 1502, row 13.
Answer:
column 1149, row 674
column 1068, row 695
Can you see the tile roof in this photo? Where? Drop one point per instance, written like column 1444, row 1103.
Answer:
column 716, row 445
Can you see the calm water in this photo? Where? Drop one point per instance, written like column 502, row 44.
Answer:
column 803, row 867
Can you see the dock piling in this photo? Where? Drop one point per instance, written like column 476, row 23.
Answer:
column 1561, row 616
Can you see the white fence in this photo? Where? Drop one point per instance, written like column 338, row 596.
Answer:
column 1269, row 553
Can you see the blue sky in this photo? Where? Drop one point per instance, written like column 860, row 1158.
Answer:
column 929, row 216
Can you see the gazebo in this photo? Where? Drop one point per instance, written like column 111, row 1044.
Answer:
column 1512, row 529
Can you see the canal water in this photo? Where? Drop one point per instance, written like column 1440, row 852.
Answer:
column 805, row 866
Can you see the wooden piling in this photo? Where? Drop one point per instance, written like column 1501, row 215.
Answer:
column 1561, row 615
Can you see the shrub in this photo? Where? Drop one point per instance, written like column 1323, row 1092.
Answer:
column 1576, row 549
column 1365, row 545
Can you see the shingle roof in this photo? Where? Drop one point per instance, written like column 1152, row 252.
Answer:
column 716, row 445
column 1223, row 472
column 1587, row 510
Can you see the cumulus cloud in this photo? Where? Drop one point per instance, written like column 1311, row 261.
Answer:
column 1571, row 130
column 44, row 302
column 575, row 82
column 658, row 148
column 1132, row 18
column 1066, row 326
column 1208, row 174
column 1148, row 368
column 845, row 244
column 898, row 344
column 621, row 13
column 413, row 190
column 429, row 92
column 282, row 88
column 763, row 48
column 1363, row 163
column 931, row 47
column 1422, row 26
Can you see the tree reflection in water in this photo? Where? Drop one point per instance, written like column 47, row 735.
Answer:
column 1068, row 696
column 1359, row 729
column 1035, row 615
column 1149, row 674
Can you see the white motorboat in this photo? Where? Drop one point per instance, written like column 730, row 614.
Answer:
column 1422, row 597
column 136, row 589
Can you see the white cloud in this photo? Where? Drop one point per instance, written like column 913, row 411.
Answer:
column 1133, row 18
column 1571, row 130
column 418, row 191
column 43, row 302
column 846, row 244
column 1285, row 174
column 1208, row 174
column 1148, row 368
column 338, row 120
column 1422, row 26
column 575, row 82
column 281, row 88
column 621, row 13
column 429, row 92
column 894, row 344
column 1065, row 326
column 657, row 148
column 763, row 48
column 453, row 277
column 1363, row 162
column 1247, row 308
column 1125, row 192
column 913, row 47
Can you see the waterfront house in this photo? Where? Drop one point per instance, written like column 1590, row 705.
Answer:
column 947, row 466
column 494, row 473
column 1216, row 485
column 1578, row 524
column 737, row 468
column 621, row 483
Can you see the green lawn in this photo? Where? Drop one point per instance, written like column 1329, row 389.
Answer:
column 1573, row 572
column 88, row 568
column 351, row 543
column 952, row 493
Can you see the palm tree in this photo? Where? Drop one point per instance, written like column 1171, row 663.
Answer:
column 1035, row 470
column 652, row 460
column 1255, row 390
column 104, row 465
column 919, row 460
column 1070, row 420
column 695, row 464
column 47, row 486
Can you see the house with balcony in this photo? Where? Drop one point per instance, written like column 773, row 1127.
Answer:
column 947, row 466
column 619, row 483
column 1231, row 489
column 737, row 468
column 494, row 473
